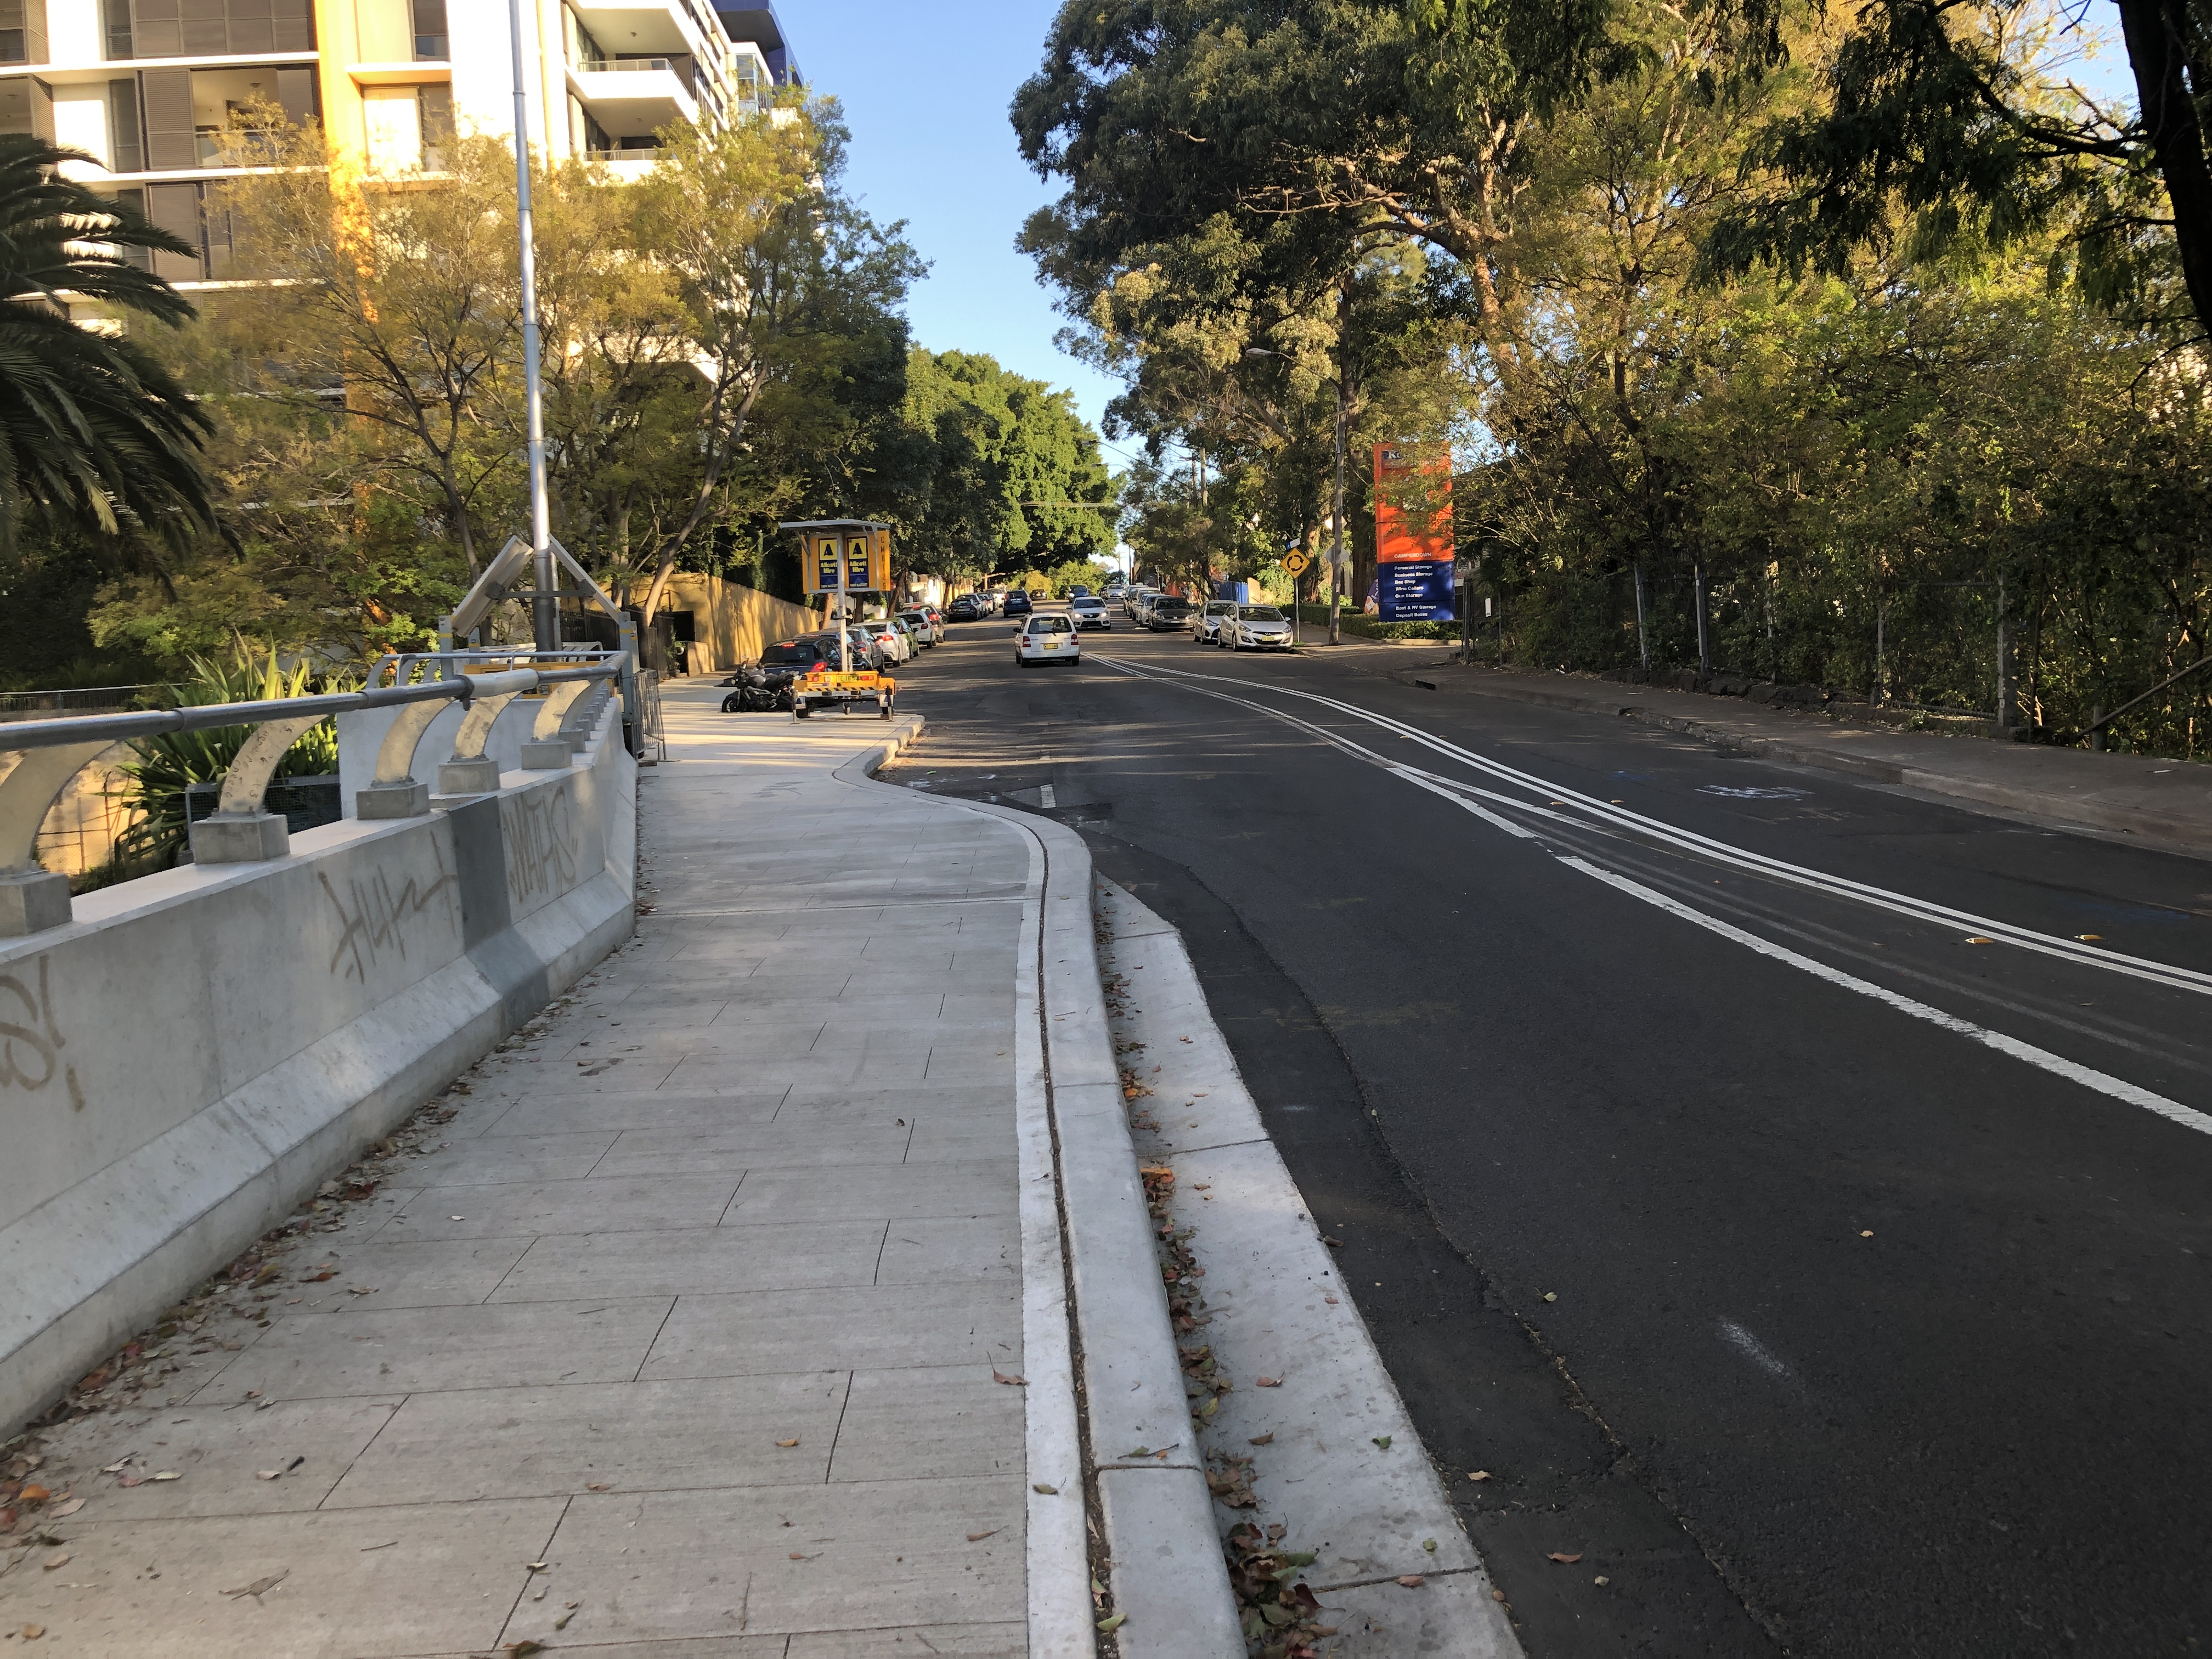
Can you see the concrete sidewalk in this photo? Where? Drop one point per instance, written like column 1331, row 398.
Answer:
column 2167, row 801
column 721, row 1312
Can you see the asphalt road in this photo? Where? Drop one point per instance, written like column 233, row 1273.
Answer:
column 1831, row 1282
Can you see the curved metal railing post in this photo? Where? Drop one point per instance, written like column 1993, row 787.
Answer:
column 31, row 899
column 469, row 771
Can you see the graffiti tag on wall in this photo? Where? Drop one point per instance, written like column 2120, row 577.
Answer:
column 375, row 916
column 541, row 842
column 31, row 1043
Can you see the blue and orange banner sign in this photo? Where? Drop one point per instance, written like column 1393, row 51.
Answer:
column 867, row 554
column 1413, row 544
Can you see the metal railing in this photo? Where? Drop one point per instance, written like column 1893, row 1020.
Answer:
column 28, row 705
column 38, row 759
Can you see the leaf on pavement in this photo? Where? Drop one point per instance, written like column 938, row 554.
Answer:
column 53, row 1561
column 787, row 1442
column 1412, row 1581
column 1384, row 1441
column 1478, row 1474
column 1262, row 1439
column 68, row 1509
column 1108, row 1626
column 1049, row 1492
column 1563, row 1560
column 1011, row 1382
column 978, row 1537
column 1268, row 1381
column 260, row 1587
column 166, row 1474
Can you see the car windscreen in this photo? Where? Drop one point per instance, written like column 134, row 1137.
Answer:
column 1086, row 604
column 1168, row 607
column 1261, row 613
column 1049, row 625
column 1220, row 608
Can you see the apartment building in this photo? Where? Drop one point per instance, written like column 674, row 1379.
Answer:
column 150, row 87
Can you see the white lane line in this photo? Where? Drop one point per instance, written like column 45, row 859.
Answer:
column 2104, row 1083
column 2088, row 1077
column 2175, row 978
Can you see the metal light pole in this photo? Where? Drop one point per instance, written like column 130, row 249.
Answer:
column 1336, row 519
column 544, row 609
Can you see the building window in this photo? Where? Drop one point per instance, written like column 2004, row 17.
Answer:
column 126, row 154
column 133, row 200
column 432, row 45
column 115, row 25
column 179, row 28
column 433, row 107
column 27, row 105
column 23, row 31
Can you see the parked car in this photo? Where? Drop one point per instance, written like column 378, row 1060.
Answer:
column 1256, row 628
column 1132, row 600
column 936, row 620
column 868, row 651
column 1166, row 614
column 889, row 638
column 1088, row 613
column 924, row 633
column 966, row 608
column 1046, row 639
column 1205, row 625
column 1079, row 592
column 1018, row 605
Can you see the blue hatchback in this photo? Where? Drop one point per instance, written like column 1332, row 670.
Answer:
column 1018, row 604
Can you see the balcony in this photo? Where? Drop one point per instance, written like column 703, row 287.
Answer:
column 637, row 94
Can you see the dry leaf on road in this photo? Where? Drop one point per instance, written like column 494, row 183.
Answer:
column 1011, row 1382
column 978, row 1537
column 1563, row 1560
column 1412, row 1581
column 1262, row 1439
column 260, row 1587
column 787, row 1442
column 1268, row 1381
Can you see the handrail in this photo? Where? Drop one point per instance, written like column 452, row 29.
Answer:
column 38, row 759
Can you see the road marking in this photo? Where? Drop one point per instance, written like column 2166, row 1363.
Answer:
column 2066, row 950
column 2103, row 1082
column 1754, row 1350
column 1045, row 797
column 1451, row 789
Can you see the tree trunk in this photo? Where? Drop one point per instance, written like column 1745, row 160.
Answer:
column 2157, row 32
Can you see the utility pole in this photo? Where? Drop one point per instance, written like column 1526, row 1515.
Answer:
column 1705, row 642
column 1643, row 629
column 544, row 608
column 1336, row 505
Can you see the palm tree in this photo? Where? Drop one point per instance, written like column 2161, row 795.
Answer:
column 92, row 428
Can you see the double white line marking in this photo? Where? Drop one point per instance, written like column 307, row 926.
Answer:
column 1467, row 796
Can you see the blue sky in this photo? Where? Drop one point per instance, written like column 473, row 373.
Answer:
column 926, row 90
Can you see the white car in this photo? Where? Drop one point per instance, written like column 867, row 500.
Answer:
column 1046, row 639
column 1089, row 612
column 1254, row 627
column 1132, row 602
column 1206, row 627
column 891, row 643
column 925, row 631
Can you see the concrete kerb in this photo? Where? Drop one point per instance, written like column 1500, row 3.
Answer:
column 2037, row 806
column 1167, row 1571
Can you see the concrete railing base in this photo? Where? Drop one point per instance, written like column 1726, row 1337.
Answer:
column 408, row 800
column 249, row 838
column 468, row 777
column 549, row 756
column 32, row 901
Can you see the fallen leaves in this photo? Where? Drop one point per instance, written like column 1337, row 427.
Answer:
column 1412, row 1581
column 62, row 1511
column 1266, row 1439
column 1551, row 1296
column 1011, row 1382
column 978, row 1537
column 166, row 1474
column 31, row 1632
column 53, row 1561
column 1382, row 1441
column 260, row 1587
column 1266, row 1382
column 787, row 1442
column 1564, row 1559
column 1479, row 1474
column 1112, row 1622
column 1975, row 938
column 1049, row 1492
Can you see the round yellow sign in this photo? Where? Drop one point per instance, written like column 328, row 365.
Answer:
column 1295, row 562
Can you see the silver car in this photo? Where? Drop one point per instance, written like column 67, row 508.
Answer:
column 1256, row 628
column 1205, row 625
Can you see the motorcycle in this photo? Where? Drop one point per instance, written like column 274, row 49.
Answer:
column 758, row 691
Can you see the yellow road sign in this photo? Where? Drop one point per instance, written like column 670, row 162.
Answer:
column 1295, row 562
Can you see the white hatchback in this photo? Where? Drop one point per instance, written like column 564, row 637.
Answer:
column 1254, row 627
column 1046, row 639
